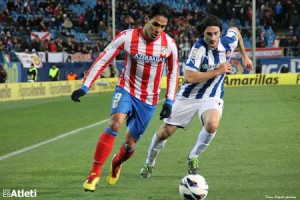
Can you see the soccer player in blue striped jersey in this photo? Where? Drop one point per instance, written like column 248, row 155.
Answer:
column 202, row 92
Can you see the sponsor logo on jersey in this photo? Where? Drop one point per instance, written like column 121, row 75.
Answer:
column 209, row 67
column 150, row 59
column 133, row 47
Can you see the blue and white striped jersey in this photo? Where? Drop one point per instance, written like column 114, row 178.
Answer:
column 202, row 58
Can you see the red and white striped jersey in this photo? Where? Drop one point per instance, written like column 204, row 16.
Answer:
column 143, row 66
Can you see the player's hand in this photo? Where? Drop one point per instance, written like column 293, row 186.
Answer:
column 77, row 94
column 166, row 111
column 247, row 62
column 225, row 68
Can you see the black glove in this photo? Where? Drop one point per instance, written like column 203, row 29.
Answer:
column 166, row 111
column 77, row 94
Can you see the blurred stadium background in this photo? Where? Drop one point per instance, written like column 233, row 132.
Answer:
column 69, row 32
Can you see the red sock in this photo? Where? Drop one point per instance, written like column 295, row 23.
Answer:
column 103, row 149
column 122, row 156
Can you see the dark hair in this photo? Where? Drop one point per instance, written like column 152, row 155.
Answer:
column 211, row 20
column 158, row 9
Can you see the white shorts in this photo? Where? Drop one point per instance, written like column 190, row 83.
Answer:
column 184, row 110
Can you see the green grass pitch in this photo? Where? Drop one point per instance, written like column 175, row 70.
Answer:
column 255, row 154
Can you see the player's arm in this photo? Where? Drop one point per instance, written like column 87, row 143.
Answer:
column 109, row 53
column 191, row 76
column 172, row 73
column 103, row 60
column 247, row 62
column 172, row 81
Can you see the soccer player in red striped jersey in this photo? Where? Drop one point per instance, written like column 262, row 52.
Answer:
column 148, row 50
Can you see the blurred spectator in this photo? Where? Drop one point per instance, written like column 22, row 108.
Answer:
column 84, row 73
column 54, row 73
column 278, row 11
column 283, row 41
column 56, row 11
column 68, row 24
column 21, row 21
column 181, row 48
column 128, row 21
column 35, row 44
column 260, row 43
column 2, row 17
column 89, row 15
column 102, row 30
column 81, row 20
column 52, row 46
column 295, row 22
column 32, row 73
column 99, row 9
column 66, row 32
column 294, row 44
column 42, row 26
column 71, row 76
column 112, row 70
column 270, row 39
column 229, row 11
column 25, row 45
column 249, row 14
column 10, row 5
column 44, row 46
column 276, row 41
column 2, row 46
column 69, row 45
column 59, row 44
column 3, row 74
column 267, row 15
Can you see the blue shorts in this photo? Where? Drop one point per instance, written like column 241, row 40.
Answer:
column 138, row 113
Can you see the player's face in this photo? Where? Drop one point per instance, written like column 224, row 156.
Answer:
column 153, row 27
column 212, row 36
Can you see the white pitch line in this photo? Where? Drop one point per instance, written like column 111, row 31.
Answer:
column 50, row 140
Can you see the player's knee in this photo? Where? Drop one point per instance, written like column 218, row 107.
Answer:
column 165, row 131
column 211, row 127
column 162, row 134
column 115, row 125
column 128, row 145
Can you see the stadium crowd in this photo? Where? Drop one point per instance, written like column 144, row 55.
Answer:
column 69, row 21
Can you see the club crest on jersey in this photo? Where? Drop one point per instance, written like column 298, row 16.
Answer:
column 194, row 54
column 163, row 51
column 150, row 59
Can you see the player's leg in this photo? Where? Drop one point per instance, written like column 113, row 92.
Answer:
column 158, row 141
column 210, row 119
column 183, row 112
column 125, row 152
column 119, row 110
column 137, row 122
column 103, row 149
